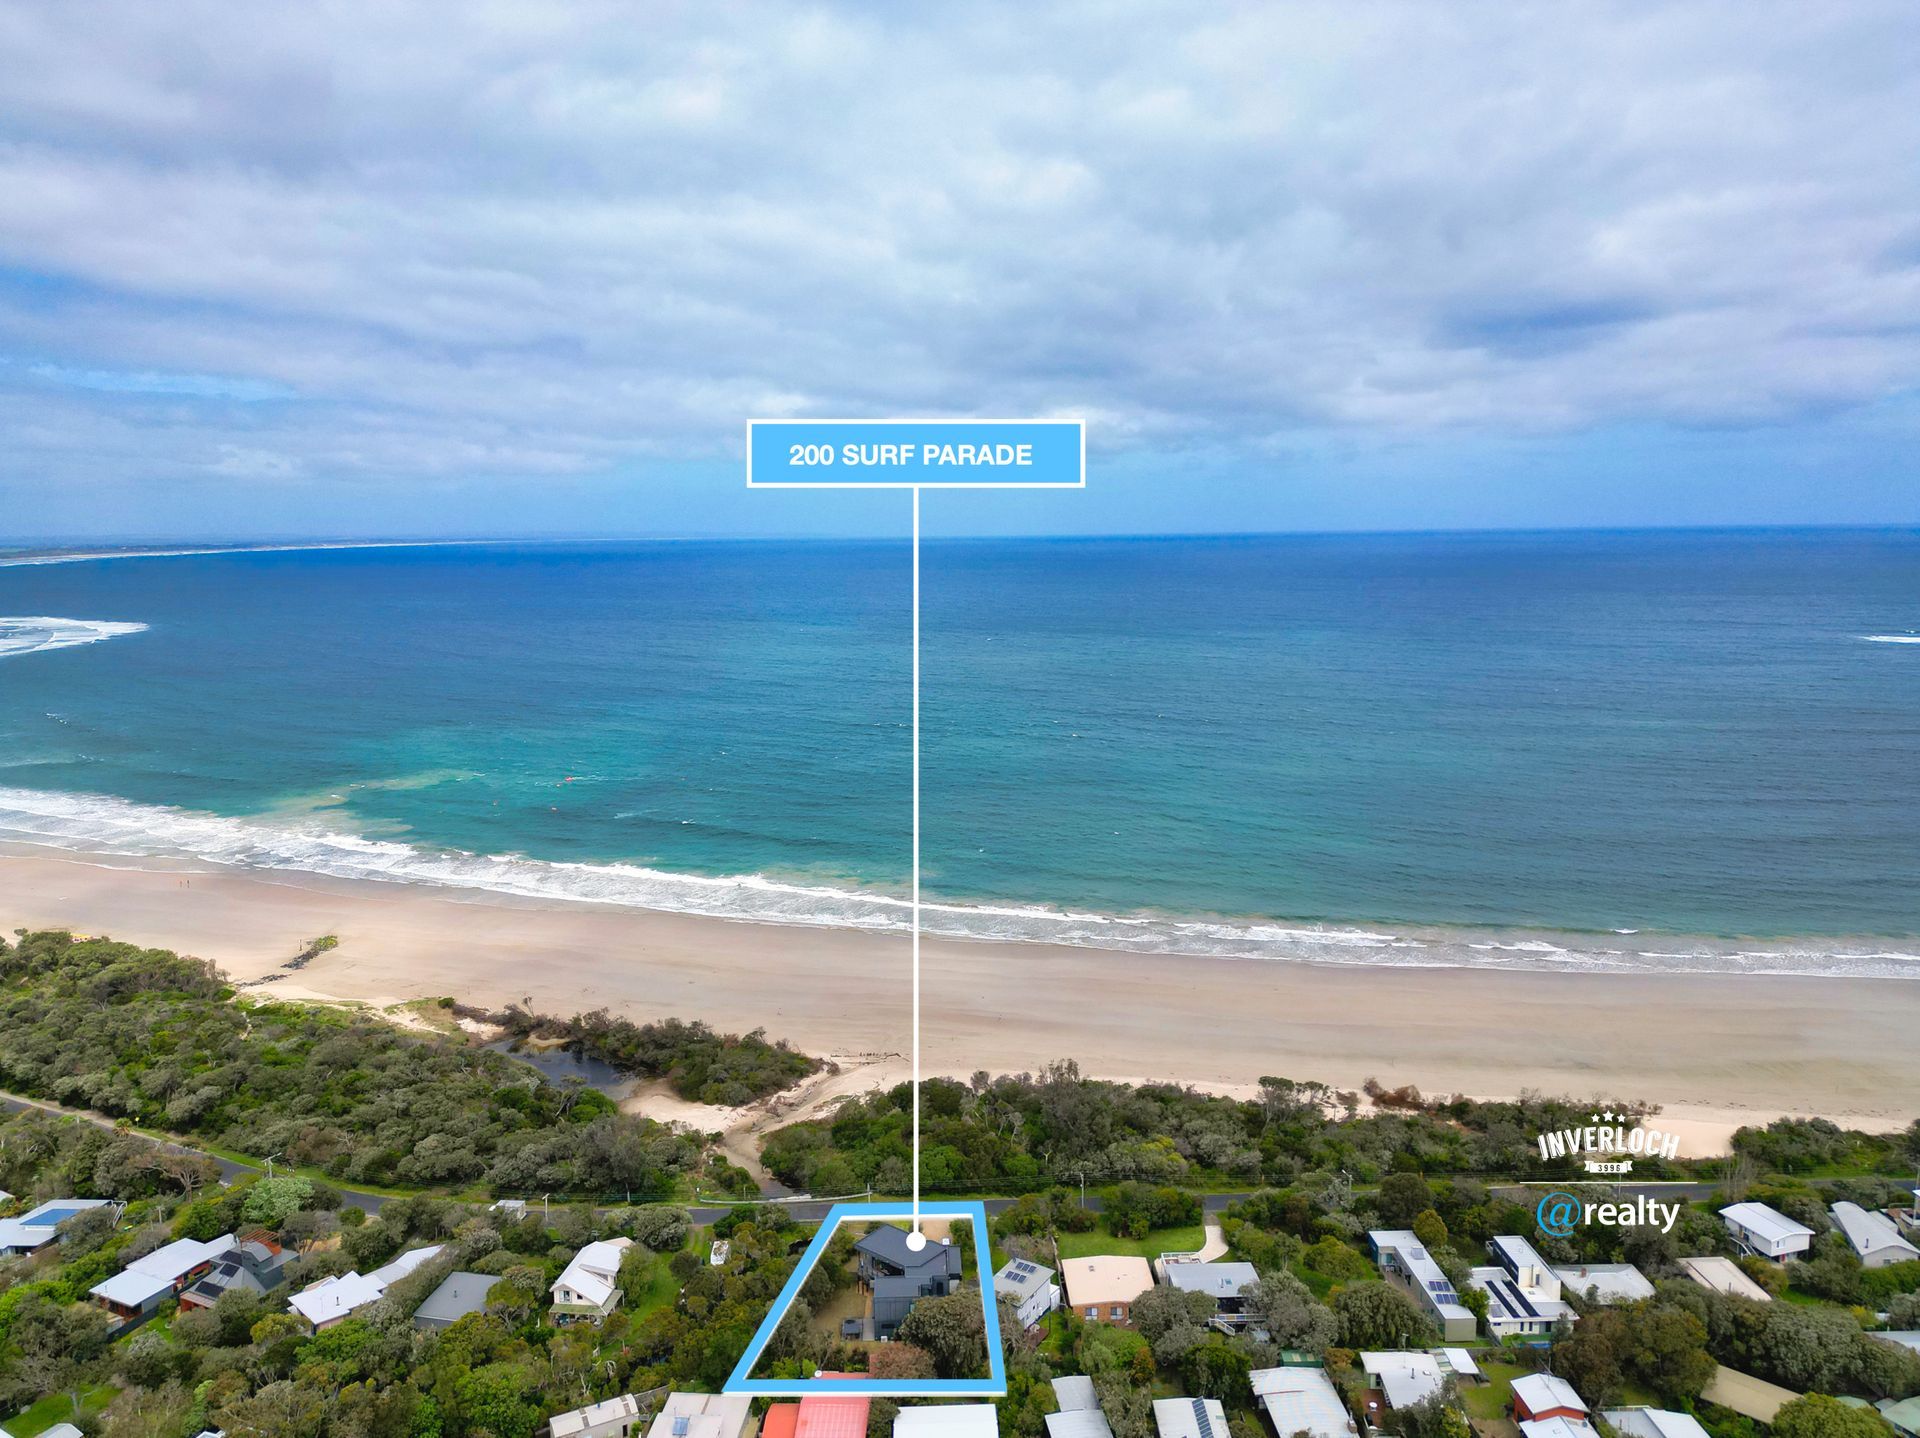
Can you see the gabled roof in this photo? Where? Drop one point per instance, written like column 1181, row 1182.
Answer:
column 1540, row 1392
column 1190, row 1418
column 179, row 1258
column 593, row 1271
column 1871, row 1232
column 1558, row 1427
column 1653, row 1423
column 333, row 1298
column 1302, row 1400
column 1768, row 1223
column 579, row 1420
column 702, row 1415
column 889, row 1245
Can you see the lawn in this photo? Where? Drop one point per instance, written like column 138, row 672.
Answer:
column 57, row 1408
column 1491, row 1399
column 1161, row 1240
column 661, row 1289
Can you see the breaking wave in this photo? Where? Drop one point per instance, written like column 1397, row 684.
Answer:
column 98, row 825
column 31, row 635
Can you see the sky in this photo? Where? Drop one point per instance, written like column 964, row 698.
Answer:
column 359, row 269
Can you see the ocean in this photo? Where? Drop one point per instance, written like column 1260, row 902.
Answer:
column 1648, row 751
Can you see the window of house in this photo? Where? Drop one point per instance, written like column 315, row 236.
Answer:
column 1093, row 1313
column 1118, row 1313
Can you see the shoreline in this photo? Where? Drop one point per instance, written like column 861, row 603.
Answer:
column 1714, row 1050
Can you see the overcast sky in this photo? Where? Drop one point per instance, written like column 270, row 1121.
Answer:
column 336, row 269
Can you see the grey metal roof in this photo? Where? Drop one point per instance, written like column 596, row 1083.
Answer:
column 1219, row 1280
column 459, row 1295
column 1021, row 1278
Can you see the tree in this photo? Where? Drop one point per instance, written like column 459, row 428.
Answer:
column 1430, row 1229
column 1435, row 1417
column 1215, row 1369
column 1590, row 1357
column 279, row 1410
column 270, row 1202
column 1818, row 1416
column 952, row 1329
column 1164, row 1307
column 1378, row 1315
column 1402, row 1198
column 1666, row 1350
column 1287, row 1309
column 900, row 1360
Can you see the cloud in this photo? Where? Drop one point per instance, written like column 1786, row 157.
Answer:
column 493, row 239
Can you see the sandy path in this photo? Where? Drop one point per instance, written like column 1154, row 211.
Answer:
column 1713, row 1050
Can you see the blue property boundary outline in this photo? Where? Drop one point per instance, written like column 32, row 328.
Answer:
column 994, row 1385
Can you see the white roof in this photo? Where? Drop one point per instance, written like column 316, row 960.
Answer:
column 1074, row 1392
column 1653, row 1423
column 1302, row 1400
column 36, row 1227
column 702, row 1415
column 1079, row 1423
column 1723, row 1275
column 406, row 1263
column 1558, row 1428
column 594, row 1269
column 579, row 1420
column 1459, row 1360
column 1187, row 1417
column 1406, row 1378
column 1217, row 1280
column 1541, row 1391
column 1769, row 1224
column 949, row 1420
column 181, row 1257
column 1607, row 1282
column 1870, row 1232
column 130, row 1288
column 1427, row 1274
column 333, row 1298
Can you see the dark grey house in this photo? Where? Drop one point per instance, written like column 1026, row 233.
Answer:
column 256, row 1265
column 900, row 1278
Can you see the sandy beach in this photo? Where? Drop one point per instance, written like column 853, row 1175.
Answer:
column 1715, row 1051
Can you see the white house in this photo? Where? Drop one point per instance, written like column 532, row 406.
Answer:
column 590, row 1286
column 1302, row 1400
column 1186, row 1417
column 1402, row 1253
column 1405, row 1378
column 949, row 1420
column 1605, row 1283
column 332, row 1300
column 1653, row 1423
column 1766, row 1232
column 136, row 1292
column 38, row 1227
column 1523, row 1294
column 1030, row 1286
column 1873, row 1236
column 703, row 1415
column 610, row 1418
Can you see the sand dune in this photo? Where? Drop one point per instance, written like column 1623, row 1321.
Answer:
column 1714, row 1050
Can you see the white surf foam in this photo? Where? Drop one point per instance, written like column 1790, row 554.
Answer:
column 33, row 634
column 1891, row 638
column 96, row 824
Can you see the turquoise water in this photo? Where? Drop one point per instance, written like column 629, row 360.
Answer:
column 1485, row 749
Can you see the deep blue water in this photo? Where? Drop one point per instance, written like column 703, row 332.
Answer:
column 1678, row 732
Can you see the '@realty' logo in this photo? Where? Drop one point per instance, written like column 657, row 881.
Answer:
column 1560, row 1212
column 1610, row 1145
